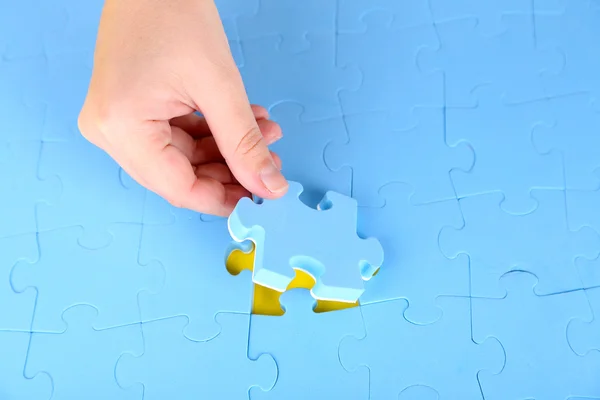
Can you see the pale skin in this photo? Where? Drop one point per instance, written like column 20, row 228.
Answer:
column 156, row 63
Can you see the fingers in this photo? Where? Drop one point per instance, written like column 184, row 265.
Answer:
column 196, row 125
column 205, row 150
column 225, row 105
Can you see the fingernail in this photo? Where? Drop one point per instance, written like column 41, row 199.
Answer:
column 273, row 139
column 273, row 179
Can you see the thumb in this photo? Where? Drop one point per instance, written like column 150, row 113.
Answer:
column 230, row 118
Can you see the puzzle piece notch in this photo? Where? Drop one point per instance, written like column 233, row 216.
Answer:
column 572, row 134
column 302, row 149
column 339, row 276
column 197, row 284
column 503, row 242
column 405, row 361
column 495, row 128
column 301, row 334
column 240, row 256
column 403, row 15
column 582, row 331
column 171, row 361
column 545, row 319
column 391, row 80
column 83, row 357
column 309, row 17
column 318, row 77
column 13, row 383
column 378, row 154
column 510, row 61
column 420, row 392
column 113, row 269
column 415, row 268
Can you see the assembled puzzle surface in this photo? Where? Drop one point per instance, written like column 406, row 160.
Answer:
column 461, row 136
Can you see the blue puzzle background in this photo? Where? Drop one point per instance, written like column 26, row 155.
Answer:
column 468, row 132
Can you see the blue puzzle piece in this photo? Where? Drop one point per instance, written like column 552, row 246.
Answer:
column 582, row 332
column 572, row 32
column 214, row 369
column 391, row 78
column 301, row 150
column 67, row 274
column 82, row 360
column 197, row 283
column 405, row 14
column 490, row 15
column 415, row 268
column 378, row 154
column 539, row 242
column 301, row 335
column 288, row 234
column 538, row 348
column 509, row 60
column 573, row 134
column 16, row 310
column 400, row 354
column 315, row 76
column 21, row 188
column 496, row 130
column 13, row 384
column 87, row 174
column 312, row 16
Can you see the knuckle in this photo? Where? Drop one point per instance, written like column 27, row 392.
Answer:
column 250, row 142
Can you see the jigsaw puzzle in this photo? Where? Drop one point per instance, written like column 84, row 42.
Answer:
column 463, row 132
column 339, row 274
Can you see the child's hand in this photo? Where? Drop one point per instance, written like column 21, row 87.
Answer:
column 156, row 62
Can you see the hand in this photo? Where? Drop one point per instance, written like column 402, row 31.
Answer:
column 156, row 63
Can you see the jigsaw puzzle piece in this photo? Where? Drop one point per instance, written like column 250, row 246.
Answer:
column 415, row 268
column 539, row 348
column 93, row 194
column 506, row 161
column 391, row 79
column 22, row 27
column 13, row 384
column 574, row 135
column 81, row 360
column 302, row 148
column 509, row 60
column 582, row 332
column 400, row 354
column 21, row 118
column 266, row 301
column 67, row 274
column 217, row 368
column 311, row 78
column 290, row 19
column 572, row 32
column 405, row 14
column 197, row 283
column 22, row 189
column 301, row 334
column 490, row 15
column 379, row 154
column 312, row 235
column 540, row 243
column 16, row 310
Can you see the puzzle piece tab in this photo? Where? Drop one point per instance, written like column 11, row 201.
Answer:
column 81, row 360
column 317, row 79
column 289, row 234
column 539, row 348
column 197, row 283
column 391, row 81
column 540, row 242
column 405, row 14
column 214, row 369
column 415, row 268
column 505, row 160
column 400, row 354
column 301, row 335
column 582, row 332
column 379, row 154
column 67, row 274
